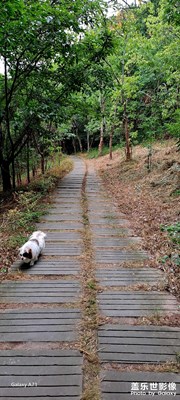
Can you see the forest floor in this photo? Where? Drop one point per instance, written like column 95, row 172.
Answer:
column 150, row 201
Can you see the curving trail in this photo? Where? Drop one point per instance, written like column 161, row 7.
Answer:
column 45, row 351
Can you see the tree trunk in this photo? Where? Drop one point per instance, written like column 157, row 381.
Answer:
column 13, row 173
column 18, row 177
column 6, row 177
column 101, row 142
column 128, row 143
column 103, row 125
column 42, row 164
column 8, row 125
column 79, row 141
column 88, row 146
column 110, row 142
column 34, row 172
column 27, row 165
column 112, row 131
column 74, row 145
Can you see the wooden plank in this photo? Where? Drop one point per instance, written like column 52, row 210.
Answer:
column 40, row 391
column 40, row 373
column 43, row 300
column 63, row 246
column 40, row 370
column 116, row 222
column 61, row 217
column 61, row 236
column 130, row 272
column 52, row 271
column 48, row 324
column 133, row 376
column 136, row 304
column 38, row 336
column 49, row 266
column 54, row 398
column 120, row 331
column 30, row 324
column 144, row 344
column 40, row 314
column 135, row 313
column 139, row 358
column 55, row 251
column 118, row 349
column 56, row 284
column 34, row 325
column 137, row 295
column 52, row 380
column 151, row 306
column 52, row 291
column 40, row 357
column 127, row 282
column 115, row 242
column 150, row 340
column 110, row 231
column 121, row 256
column 55, row 216
column 54, row 262
column 59, row 226
column 117, row 385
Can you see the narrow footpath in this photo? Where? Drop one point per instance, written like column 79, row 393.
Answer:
column 70, row 326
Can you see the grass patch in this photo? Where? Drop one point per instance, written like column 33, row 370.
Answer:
column 93, row 153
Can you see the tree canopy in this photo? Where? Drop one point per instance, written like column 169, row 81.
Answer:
column 76, row 78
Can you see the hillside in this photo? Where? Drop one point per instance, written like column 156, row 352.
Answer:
column 150, row 201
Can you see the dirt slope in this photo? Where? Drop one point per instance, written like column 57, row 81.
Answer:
column 149, row 199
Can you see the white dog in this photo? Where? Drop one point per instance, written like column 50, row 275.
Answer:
column 32, row 249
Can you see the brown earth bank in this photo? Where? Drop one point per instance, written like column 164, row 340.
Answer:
column 150, row 200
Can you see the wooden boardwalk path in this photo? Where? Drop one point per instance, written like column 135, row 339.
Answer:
column 41, row 315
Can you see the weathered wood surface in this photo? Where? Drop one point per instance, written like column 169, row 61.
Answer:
column 116, row 385
column 42, row 318
column 55, row 374
column 124, row 277
column 136, row 304
column 49, row 266
column 59, row 226
column 39, row 325
column 138, row 344
column 52, row 291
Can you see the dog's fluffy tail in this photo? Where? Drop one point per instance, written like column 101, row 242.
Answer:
column 38, row 234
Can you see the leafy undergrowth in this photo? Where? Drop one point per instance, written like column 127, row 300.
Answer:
column 150, row 201
column 22, row 209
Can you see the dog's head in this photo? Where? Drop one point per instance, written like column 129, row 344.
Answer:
column 25, row 255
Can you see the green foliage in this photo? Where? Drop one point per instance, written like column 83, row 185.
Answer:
column 26, row 213
column 16, row 241
column 68, row 68
column 27, row 200
column 173, row 232
column 40, row 45
column 43, row 185
column 91, row 285
column 93, row 153
column 173, row 126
